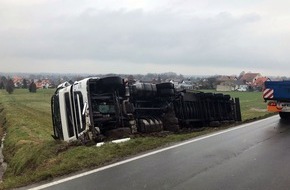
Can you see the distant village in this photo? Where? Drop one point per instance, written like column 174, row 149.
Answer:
column 245, row 81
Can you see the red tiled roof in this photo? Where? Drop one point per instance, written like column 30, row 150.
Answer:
column 249, row 77
column 260, row 81
column 227, row 78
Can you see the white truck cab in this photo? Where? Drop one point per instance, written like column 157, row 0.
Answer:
column 81, row 110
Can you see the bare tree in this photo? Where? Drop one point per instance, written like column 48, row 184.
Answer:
column 32, row 87
column 24, row 84
column 10, row 86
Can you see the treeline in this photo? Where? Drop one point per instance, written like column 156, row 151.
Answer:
column 9, row 85
column 27, row 79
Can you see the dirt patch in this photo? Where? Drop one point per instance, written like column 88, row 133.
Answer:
column 23, row 142
column 3, row 165
column 258, row 110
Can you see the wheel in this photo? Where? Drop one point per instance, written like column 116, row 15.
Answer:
column 284, row 115
column 166, row 85
column 219, row 96
column 166, row 92
column 115, row 81
column 208, row 95
column 148, row 90
column 227, row 97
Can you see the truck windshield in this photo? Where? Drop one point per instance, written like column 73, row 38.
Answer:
column 69, row 115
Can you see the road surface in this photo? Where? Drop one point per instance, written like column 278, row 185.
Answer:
column 250, row 156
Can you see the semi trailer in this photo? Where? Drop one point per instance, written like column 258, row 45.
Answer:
column 96, row 109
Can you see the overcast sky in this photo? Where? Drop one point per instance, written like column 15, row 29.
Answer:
column 191, row 37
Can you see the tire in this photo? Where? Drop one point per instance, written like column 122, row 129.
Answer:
column 227, row 97
column 219, row 96
column 154, row 88
column 133, row 90
column 115, row 81
column 208, row 95
column 137, row 90
column 284, row 115
column 147, row 91
column 166, row 85
column 166, row 92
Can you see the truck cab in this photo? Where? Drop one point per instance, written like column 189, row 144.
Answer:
column 88, row 108
column 277, row 94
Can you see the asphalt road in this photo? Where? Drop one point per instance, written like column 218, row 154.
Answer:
column 250, row 156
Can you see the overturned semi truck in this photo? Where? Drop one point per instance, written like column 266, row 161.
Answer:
column 96, row 109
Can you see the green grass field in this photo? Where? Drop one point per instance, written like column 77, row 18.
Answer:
column 252, row 104
column 32, row 154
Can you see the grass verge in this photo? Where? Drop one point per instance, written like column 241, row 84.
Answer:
column 32, row 155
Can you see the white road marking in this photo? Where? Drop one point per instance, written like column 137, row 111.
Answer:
column 147, row 154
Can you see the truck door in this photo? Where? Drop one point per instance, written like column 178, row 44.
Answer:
column 80, row 118
column 67, row 114
column 56, row 118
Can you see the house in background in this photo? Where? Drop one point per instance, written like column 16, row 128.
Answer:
column 258, row 84
column 185, row 85
column 251, row 82
column 182, row 84
column 18, row 81
column 175, row 83
column 250, row 78
column 226, row 83
column 44, row 83
column 246, row 82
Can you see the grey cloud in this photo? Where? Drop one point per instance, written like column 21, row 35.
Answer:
column 138, row 37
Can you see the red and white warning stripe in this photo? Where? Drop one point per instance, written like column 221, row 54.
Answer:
column 268, row 93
